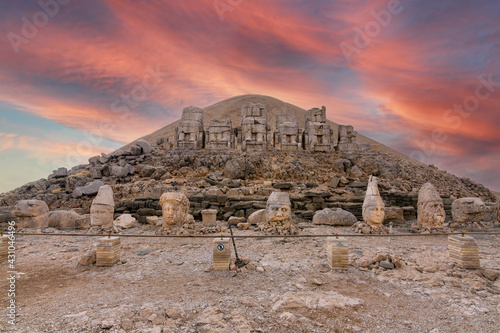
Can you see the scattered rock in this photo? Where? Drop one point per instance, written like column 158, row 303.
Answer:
column 239, row 168
column 125, row 221
column 88, row 259
column 386, row 264
column 89, row 189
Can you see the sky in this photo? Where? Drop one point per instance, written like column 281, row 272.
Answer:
column 78, row 78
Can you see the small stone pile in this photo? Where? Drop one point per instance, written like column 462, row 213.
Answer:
column 364, row 228
column 382, row 260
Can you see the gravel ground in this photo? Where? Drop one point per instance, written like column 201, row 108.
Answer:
column 166, row 285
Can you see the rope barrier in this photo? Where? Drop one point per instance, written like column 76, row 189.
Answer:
column 257, row 236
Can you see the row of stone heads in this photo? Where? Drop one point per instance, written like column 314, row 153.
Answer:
column 255, row 132
column 430, row 207
column 175, row 209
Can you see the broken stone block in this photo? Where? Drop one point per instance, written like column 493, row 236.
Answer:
column 467, row 210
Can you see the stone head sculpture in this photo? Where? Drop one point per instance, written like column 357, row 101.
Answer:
column 279, row 207
column 373, row 206
column 175, row 208
column 430, row 210
column 103, row 207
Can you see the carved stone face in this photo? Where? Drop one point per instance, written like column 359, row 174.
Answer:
column 431, row 214
column 430, row 209
column 278, row 213
column 373, row 206
column 279, row 207
column 175, row 208
column 101, row 215
column 374, row 215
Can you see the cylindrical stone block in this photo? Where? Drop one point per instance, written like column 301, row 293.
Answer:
column 108, row 251
column 221, row 254
column 209, row 217
column 337, row 253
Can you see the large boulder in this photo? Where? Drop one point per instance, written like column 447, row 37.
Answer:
column 334, row 217
column 60, row 173
column 239, row 168
column 497, row 210
column 467, row 210
column 31, row 214
column 64, row 219
column 89, row 189
column 146, row 147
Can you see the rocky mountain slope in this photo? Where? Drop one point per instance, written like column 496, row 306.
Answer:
column 145, row 169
